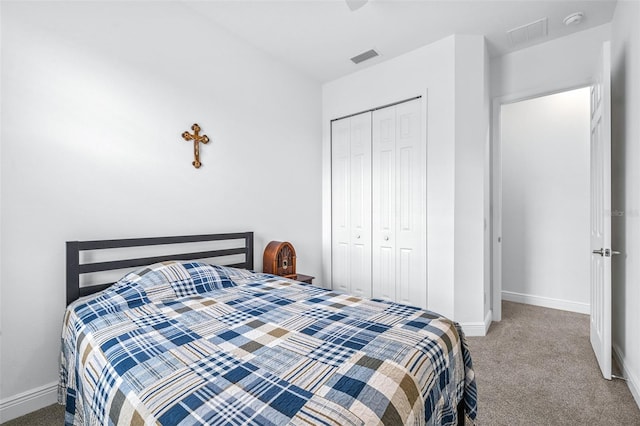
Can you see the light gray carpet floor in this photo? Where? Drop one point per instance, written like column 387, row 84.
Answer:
column 535, row 367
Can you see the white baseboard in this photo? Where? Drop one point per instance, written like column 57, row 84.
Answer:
column 477, row 328
column 28, row 402
column 547, row 302
column 632, row 380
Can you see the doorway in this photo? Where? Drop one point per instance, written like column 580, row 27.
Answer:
column 544, row 186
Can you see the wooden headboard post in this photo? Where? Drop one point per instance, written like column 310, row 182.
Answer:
column 75, row 269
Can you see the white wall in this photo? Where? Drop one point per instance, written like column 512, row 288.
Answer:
column 407, row 76
column 1, row 186
column 545, row 200
column 488, row 226
column 625, row 153
column 95, row 97
column 472, row 136
column 556, row 65
column 450, row 75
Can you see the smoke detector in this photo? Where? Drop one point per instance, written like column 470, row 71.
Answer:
column 573, row 19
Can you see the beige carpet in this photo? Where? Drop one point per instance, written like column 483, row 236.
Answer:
column 535, row 367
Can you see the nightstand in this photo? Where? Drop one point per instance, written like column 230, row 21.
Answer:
column 304, row 278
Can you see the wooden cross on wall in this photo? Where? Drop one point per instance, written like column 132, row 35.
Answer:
column 196, row 138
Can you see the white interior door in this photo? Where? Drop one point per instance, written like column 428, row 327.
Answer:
column 601, row 214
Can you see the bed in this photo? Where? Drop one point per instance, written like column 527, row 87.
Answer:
column 179, row 341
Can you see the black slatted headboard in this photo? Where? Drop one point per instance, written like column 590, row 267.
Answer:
column 75, row 269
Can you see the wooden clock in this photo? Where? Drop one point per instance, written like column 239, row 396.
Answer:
column 279, row 259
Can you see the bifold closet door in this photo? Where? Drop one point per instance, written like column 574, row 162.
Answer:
column 398, row 220
column 351, row 204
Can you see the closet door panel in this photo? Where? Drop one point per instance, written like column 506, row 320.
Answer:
column 405, row 189
column 384, row 276
column 340, row 197
column 351, row 204
column 360, row 216
column 360, row 270
column 384, row 203
column 340, row 200
column 340, row 266
column 405, row 278
column 409, row 245
column 360, row 203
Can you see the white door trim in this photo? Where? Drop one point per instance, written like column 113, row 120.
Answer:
column 496, row 180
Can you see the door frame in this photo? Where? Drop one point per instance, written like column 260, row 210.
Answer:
column 496, row 179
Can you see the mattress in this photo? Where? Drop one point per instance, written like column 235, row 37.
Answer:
column 187, row 343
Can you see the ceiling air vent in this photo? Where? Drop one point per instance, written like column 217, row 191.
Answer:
column 364, row 56
column 527, row 33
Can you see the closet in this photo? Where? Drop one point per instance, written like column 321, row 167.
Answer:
column 378, row 187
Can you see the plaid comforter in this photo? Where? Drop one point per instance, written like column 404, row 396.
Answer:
column 184, row 343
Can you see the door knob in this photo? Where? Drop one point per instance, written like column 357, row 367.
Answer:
column 605, row 252
column 386, row 238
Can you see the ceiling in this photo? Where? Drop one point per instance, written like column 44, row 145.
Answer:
column 319, row 36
